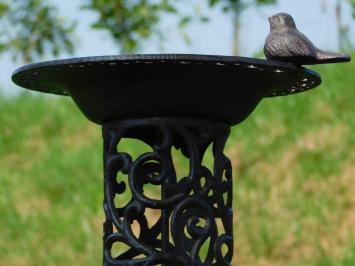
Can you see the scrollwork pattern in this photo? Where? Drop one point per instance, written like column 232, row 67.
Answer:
column 196, row 218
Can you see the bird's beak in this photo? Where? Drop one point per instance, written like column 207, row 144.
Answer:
column 269, row 18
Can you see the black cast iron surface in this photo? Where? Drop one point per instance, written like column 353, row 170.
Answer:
column 191, row 212
column 223, row 88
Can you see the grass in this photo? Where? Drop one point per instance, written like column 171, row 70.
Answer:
column 294, row 170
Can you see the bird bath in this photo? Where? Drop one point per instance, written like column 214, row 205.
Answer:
column 185, row 102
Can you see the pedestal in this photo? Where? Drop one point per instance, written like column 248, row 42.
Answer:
column 194, row 211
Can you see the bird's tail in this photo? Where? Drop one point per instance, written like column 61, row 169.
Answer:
column 329, row 57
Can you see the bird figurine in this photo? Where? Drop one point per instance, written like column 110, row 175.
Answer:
column 286, row 43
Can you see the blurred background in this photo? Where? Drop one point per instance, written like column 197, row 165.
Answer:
column 293, row 158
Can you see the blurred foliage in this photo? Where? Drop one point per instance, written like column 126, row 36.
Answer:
column 236, row 8
column 32, row 28
column 130, row 22
column 352, row 3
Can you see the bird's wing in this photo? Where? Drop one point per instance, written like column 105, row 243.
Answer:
column 291, row 43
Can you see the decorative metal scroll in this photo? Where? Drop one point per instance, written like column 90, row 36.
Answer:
column 193, row 213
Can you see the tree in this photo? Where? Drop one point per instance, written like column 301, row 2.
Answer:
column 346, row 41
column 343, row 29
column 352, row 3
column 32, row 28
column 236, row 8
column 130, row 22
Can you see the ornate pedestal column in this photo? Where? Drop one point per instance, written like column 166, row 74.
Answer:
column 190, row 207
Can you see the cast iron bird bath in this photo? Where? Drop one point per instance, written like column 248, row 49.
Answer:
column 188, row 102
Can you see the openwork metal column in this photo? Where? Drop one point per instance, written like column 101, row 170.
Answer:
column 194, row 212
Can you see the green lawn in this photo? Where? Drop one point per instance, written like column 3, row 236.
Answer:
column 294, row 172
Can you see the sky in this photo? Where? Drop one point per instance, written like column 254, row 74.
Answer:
column 213, row 38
